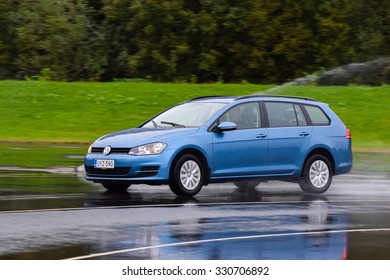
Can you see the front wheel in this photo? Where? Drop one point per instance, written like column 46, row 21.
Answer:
column 187, row 176
column 116, row 186
column 317, row 175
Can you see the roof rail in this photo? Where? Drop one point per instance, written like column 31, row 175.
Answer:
column 278, row 96
column 212, row 96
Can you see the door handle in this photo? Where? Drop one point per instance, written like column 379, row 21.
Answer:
column 261, row 135
column 304, row 134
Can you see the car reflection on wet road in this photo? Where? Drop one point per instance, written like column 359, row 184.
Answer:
column 61, row 216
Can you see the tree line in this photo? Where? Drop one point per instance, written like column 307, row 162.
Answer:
column 258, row 41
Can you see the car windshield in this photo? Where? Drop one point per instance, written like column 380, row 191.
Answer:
column 193, row 114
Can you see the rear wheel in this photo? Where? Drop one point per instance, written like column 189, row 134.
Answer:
column 317, row 175
column 187, row 176
column 116, row 186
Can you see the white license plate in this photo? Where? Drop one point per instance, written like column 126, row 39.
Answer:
column 104, row 163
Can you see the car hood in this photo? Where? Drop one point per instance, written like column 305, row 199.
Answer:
column 139, row 136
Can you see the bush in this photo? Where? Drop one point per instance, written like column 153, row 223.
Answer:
column 373, row 73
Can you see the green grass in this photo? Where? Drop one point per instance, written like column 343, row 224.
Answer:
column 37, row 155
column 81, row 112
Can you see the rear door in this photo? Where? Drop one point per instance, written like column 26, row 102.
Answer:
column 289, row 135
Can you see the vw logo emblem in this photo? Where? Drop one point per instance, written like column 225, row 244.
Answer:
column 107, row 150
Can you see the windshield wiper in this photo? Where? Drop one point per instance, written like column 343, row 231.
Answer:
column 178, row 125
column 155, row 124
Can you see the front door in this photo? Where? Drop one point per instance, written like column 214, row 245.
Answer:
column 244, row 151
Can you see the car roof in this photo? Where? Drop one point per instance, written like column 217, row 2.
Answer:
column 229, row 99
column 259, row 95
column 219, row 98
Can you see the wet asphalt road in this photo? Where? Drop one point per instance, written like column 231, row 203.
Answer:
column 61, row 216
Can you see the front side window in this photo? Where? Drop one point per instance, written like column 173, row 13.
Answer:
column 245, row 116
column 317, row 116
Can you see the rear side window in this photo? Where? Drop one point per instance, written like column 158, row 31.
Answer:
column 317, row 116
column 300, row 116
column 282, row 114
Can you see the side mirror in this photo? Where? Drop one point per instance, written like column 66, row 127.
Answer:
column 226, row 126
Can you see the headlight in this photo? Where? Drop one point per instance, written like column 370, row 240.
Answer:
column 90, row 149
column 148, row 149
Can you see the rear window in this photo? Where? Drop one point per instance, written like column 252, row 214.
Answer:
column 317, row 116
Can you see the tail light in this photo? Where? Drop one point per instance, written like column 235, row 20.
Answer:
column 348, row 134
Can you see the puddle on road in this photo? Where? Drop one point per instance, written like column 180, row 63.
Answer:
column 321, row 239
column 21, row 190
column 41, row 176
column 36, row 176
column 26, row 184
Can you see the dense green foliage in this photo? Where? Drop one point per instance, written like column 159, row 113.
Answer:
column 187, row 40
column 80, row 112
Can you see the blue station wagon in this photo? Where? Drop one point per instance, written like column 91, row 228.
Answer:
column 245, row 140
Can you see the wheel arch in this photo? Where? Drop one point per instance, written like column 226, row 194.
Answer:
column 320, row 151
column 199, row 155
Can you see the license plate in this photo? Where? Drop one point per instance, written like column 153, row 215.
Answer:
column 104, row 163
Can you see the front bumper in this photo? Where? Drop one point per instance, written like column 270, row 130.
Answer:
column 149, row 169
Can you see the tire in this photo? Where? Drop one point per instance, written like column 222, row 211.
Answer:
column 187, row 176
column 116, row 186
column 247, row 184
column 317, row 175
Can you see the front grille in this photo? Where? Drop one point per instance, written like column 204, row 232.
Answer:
column 97, row 150
column 117, row 171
